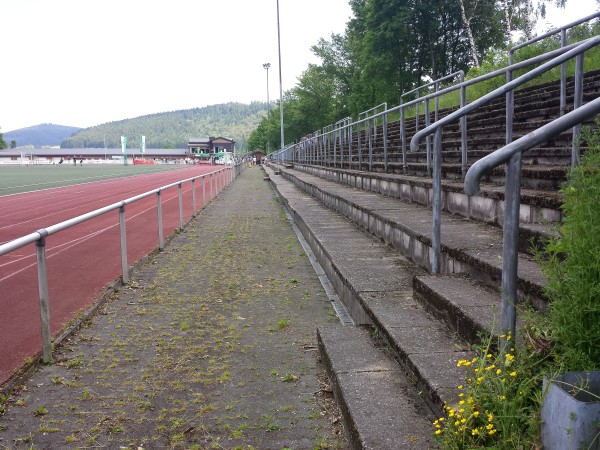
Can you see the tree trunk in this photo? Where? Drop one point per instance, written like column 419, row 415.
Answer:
column 467, row 24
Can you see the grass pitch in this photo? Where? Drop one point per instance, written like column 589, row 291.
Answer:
column 18, row 179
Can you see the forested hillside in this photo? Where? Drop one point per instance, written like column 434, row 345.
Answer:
column 43, row 135
column 174, row 129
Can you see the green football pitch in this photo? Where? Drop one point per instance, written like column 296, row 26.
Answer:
column 16, row 179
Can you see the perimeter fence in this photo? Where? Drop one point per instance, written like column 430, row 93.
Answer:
column 209, row 185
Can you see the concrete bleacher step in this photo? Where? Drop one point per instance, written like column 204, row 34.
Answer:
column 375, row 283
column 467, row 307
column 540, row 207
column 367, row 383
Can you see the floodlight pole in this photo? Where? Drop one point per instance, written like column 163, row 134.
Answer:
column 268, row 66
column 280, row 85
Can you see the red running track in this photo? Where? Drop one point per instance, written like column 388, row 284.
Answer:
column 83, row 259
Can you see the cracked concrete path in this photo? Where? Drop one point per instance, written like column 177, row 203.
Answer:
column 212, row 345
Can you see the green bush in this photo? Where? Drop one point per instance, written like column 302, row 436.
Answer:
column 572, row 267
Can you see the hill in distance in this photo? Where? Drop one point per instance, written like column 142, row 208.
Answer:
column 43, row 135
column 174, row 129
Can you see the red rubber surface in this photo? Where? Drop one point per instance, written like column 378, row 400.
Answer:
column 83, row 259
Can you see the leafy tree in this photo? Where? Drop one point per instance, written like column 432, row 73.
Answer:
column 13, row 144
column 2, row 142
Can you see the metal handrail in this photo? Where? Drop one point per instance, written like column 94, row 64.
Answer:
column 417, row 101
column 39, row 238
column 326, row 131
column 563, row 42
column 436, row 128
column 511, row 154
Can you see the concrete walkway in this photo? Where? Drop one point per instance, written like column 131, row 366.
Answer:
column 212, row 345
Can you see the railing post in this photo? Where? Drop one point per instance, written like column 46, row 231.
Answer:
column 510, row 96
column 194, row 196
column 577, row 102
column 210, row 181
column 428, row 138
column 124, row 264
column 403, row 138
column 436, row 206
column 161, row 241
column 370, row 144
column 40, row 246
column 463, row 133
column 203, row 191
column 385, row 141
column 180, row 195
column 350, row 145
column 359, row 145
column 510, row 259
column 335, row 147
column 563, row 76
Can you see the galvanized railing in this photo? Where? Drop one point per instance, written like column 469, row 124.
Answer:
column 510, row 98
column 511, row 156
column 566, row 53
column 416, row 102
column 216, row 182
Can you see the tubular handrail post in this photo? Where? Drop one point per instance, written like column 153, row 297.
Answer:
column 194, row 196
column 577, row 102
column 428, row 139
column 335, row 147
column 417, row 110
column 203, row 191
column 385, row 141
column 40, row 246
column 563, row 76
column 510, row 256
column 436, row 202
column 161, row 240
column 368, row 124
column 124, row 265
column 359, row 146
column 180, row 195
column 403, row 138
column 211, row 186
column 510, row 97
column 463, row 132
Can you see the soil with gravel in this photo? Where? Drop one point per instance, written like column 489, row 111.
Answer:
column 211, row 345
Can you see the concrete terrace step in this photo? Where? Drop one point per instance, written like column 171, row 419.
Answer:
column 375, row 283
column 537, row 206
column 367, row 383
column 467, row 246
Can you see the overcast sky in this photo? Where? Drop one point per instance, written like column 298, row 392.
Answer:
column 83, row 63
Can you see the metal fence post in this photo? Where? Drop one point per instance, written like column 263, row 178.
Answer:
column 43, row 290
column 436, row 206
column 203, row 191
column 510, row 256
column 180, row 195
column 428, row 139
column 194, row 196
column 210, row 181
column 577, row 102
column 161, row 241
column 403, row 138
column 463, row 132
column 124, row 264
